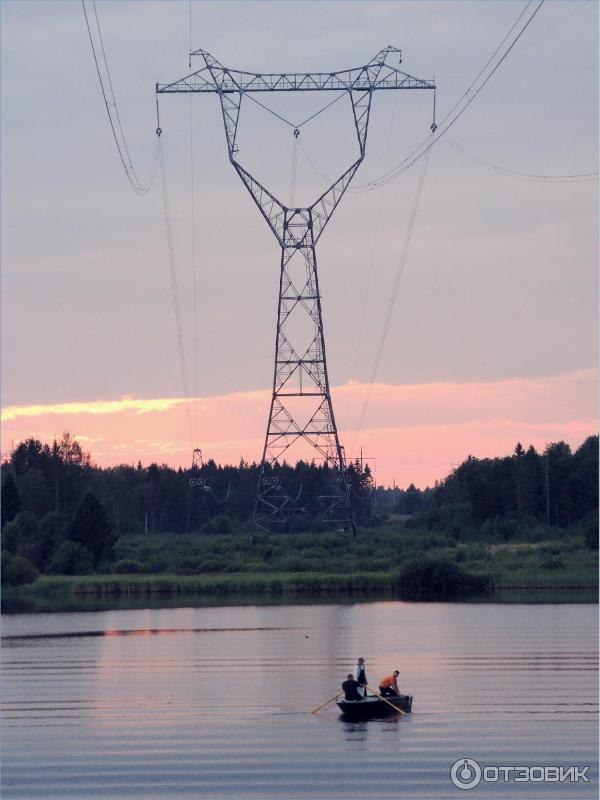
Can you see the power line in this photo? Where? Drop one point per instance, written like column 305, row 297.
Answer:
column 194, row 271
column 294, row 168
column 270, row 110
column 553, row 26
column 321, row 110
column 112, row 94
column 394, row 293
column 580, row 177
column 121, row 144
column 174, row 286
column 466, row 99
column 313, row 163
column 481, row 72
column 423, row 151
column 373, row 253
column 294, row 125
column 195, row 426
column 190, row 33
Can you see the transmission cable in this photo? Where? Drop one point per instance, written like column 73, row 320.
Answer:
column 552, row 27
column 465, row 94
column 194, row 270
column 193, row 243
column 315, row 166
column 190, row 33
column 373, row 254
column 487, row 64
column 466, row 99
column 112, row 94
column 580, row 177
column 270, row 110
column 321, row 110
column 423, row 151
column 394, row 293
column 138, row 187
column 419, row 151
column 295, row 126
column 294, row 170
column 174, row 286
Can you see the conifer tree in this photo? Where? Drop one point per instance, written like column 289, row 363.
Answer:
column 91, row 528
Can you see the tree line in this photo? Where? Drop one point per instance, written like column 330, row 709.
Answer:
column 62, row 513
column 557, row 487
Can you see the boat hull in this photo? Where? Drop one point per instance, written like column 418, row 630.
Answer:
column 374, row 707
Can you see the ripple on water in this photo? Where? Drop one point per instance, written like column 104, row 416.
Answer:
column 213, row 702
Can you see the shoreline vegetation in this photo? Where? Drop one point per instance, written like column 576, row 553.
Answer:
column 393, row 563
column 240, row 583
column 118, row 592
column 70, row 529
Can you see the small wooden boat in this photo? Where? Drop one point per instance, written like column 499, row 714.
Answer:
column 372, row 706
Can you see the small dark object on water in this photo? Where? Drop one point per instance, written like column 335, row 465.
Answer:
column 373, row 706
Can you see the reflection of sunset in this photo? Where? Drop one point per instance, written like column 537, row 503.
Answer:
column 138, row 632
column 416, row 432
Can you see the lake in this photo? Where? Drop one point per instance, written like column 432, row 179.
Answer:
column 213, row 702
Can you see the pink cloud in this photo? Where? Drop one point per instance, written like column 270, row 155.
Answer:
column 413, row 432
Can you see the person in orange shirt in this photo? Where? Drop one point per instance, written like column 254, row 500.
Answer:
column 388, row 687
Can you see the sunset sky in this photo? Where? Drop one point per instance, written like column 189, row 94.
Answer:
column 493, row 338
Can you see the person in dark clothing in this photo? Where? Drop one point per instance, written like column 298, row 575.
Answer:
column 350, row 687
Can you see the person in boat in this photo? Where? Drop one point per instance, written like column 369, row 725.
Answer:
column 360, row 676
column 388, row 686
column 350, row 687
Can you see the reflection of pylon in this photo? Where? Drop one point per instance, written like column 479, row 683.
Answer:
column 301, row 408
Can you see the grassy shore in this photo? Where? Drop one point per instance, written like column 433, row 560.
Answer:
column 382, row 551
column 318, row 564
column 297, row 583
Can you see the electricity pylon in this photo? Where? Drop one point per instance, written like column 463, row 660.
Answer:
column 301, row 407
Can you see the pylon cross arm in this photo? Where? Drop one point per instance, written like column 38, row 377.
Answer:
column 379, row 73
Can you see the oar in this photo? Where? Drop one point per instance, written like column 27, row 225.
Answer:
column 314, row 711
column 399, row 710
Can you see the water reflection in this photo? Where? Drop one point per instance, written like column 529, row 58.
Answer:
column 213, row 702
column 134, row 632
column 16, row 602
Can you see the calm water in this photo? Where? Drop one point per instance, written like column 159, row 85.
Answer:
column 213, row 702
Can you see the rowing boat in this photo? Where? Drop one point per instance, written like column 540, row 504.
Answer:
column 372, row 706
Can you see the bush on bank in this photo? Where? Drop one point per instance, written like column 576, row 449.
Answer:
column 438, row 578
column 17, row 571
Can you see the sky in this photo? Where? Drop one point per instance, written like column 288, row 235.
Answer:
column 494, row 334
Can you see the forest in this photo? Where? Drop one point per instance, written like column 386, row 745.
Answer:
column 64, row 515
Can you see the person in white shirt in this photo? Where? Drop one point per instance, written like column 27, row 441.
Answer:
column 360, row 676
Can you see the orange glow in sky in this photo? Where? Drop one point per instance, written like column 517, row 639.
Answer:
column 414, row 433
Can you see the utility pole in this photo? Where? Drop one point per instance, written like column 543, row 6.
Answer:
column 547, row 491
column 301, row 406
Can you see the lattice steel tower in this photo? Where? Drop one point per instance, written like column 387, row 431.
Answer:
column 301, row 407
